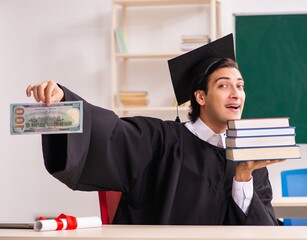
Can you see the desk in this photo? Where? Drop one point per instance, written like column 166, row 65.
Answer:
column 290, row 207
column 135, row 232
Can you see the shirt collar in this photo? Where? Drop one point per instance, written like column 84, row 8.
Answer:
column 201, row 130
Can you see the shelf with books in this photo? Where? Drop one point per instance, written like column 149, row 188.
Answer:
column 191, row 42
column 125, row 50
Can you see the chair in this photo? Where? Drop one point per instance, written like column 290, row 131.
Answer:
column 293, row 184
column 108, row 201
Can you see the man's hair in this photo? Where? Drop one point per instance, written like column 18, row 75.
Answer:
column 201, row 83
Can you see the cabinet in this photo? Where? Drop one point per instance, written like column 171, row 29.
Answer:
column 151, row 30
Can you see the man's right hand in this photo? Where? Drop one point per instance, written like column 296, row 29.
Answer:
column 47, row 92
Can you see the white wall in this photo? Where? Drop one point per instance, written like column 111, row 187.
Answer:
column 64, row 40
column 230, row 7
column 68, row 41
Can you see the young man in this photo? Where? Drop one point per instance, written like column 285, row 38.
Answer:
column 168, row 172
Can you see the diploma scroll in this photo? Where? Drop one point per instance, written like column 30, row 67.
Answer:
column 65, row 223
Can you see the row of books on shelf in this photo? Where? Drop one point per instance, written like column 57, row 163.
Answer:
column 261, row 139
column 134, row 98
column 191, row 42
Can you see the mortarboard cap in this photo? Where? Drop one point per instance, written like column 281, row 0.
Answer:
column 187, row 67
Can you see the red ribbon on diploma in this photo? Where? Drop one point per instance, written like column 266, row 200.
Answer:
column 71, row 221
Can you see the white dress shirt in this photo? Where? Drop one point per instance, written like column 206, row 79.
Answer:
column 242, row 192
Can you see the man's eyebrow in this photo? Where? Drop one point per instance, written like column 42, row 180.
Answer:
column 227, row 78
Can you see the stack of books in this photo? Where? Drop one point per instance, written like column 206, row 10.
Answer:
column 134, row 98
column 261, row 139
column 191, row 42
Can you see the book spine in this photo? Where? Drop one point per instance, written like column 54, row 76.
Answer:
column 120, row 40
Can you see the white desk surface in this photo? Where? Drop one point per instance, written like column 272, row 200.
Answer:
column 290, row 207
column 134, row 232
column 290, row 202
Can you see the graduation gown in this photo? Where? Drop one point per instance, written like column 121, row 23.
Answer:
column 166, row 174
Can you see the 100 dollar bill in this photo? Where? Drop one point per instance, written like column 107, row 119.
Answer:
column 62, row 117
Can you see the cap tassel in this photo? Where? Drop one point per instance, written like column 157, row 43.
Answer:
column 177, row 118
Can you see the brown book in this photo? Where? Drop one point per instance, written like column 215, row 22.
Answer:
column 132, row 93
column 134, row 104
column 134, row 98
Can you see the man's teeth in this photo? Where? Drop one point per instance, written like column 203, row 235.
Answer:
column 233, row 106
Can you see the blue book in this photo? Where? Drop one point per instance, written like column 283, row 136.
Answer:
column 282, row 140
column 258, row 132
column 120, row 40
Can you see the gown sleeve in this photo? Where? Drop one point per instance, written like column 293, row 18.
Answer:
column 260, row 211
column 108, row 155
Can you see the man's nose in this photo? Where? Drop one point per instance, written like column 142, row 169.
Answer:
column 234, row 92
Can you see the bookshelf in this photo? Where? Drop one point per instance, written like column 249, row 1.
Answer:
column 151, row 59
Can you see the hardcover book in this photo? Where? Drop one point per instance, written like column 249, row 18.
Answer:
column 120, row 40
column 286, row 140
column 263, row 153
column 253, row 123
column 134, row 98
column 260, row 132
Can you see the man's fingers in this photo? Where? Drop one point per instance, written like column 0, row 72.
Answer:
column 40, row 90
column 268, row 162
column 55, row 97
column 275, row 161
column 35, row 94
column 253, row 165
column 29, row 90
column 47, row 92
column 51, row 93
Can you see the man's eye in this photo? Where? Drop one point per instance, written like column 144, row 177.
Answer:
column 223, row 86
column 241, row 86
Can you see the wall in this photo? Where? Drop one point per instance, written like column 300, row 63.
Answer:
column 68, row 41
column 64, row 40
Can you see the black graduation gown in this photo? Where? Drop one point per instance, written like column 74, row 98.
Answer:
column 166, row 174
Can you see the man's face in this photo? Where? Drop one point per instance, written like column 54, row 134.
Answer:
column 225, row 98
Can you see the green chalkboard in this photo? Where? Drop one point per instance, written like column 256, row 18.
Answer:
column 271, row 52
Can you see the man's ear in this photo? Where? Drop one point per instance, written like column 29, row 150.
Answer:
column 200, row 97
